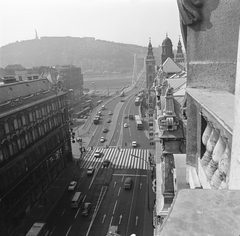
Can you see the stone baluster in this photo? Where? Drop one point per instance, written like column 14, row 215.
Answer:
column 206, row 134
column 216, row 156
column 220, row 176
column 209, row 148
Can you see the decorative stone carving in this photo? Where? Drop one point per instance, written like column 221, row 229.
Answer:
column 216, row 156
column 206, row 134
column 190, row 13
column 210, row 146
column 220, row 176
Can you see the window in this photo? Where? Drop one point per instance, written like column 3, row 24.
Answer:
column 40, row 113
column 36, row 134
column 6, row 128
column 2, row 131
column 33, row 116
column 27, row 119
column 19, row 122
column 11, row 126
column 30, row 116
column 15, row 123
column 43, row 113
column 23, row 142
column 5, row 150
column 37, row 115
column 1, row 155
column 23, row 120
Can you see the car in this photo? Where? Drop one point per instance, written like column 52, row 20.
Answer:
column 125, row 125
column 103, row 107
column 131, row 117
column 72, row 185
column 106, row 163
column 125, row 116
column 110, row 113
column 90, row 170
column 128, row 183
column 122, row 100
column 105, row 130
column 134, row 143
column 97, row 154
column 86, row 208
column 102, row 139
column 109, row 121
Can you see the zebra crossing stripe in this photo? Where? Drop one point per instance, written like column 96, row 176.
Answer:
column 124, row 159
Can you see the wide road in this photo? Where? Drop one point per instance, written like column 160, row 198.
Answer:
column 129, row 209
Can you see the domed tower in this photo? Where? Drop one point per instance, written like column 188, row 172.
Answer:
column 150, row 66
column 179, row 56
column 167, row 49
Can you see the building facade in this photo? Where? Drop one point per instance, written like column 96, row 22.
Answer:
column 34, row 145
column 179, row 58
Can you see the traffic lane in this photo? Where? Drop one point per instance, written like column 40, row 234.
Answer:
column 138, row 221
column 82, row 224
column 63, row 215
column 105, row 214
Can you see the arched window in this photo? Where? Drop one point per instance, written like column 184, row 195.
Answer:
column 26, row 138
column 22, row 140
column 36, row 132
column 29, row 134
column 2, row 131
column 15, row 123
column 10, row 125
column 1, row 154
column 42, row 128
column 23, row 120
column 19, row 122
column 5, row 150
column 14, row 144
column 27, row 119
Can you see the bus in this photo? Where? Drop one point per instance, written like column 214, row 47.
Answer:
column 137, row 101
column 38, row 229
column 139, row 122
column 77, row 198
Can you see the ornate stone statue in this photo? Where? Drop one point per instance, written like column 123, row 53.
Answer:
column 190, row 14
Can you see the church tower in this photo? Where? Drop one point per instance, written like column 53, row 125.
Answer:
column 150, row 66
column 167, row 49
column 179, row 56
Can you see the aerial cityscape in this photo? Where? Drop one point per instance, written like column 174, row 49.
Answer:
column 120, row 139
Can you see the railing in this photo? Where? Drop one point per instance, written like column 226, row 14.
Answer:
column 213, row 137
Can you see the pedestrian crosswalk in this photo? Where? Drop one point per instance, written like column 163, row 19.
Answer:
column 120, row 158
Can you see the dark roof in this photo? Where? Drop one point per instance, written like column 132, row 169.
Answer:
column 25, row 88
column 167, row 42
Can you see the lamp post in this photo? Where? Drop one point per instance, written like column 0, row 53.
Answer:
column 147, row 177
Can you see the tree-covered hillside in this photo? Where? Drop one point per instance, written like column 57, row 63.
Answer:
column 97, row 56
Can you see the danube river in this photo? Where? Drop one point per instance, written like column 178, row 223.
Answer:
column 107, row 84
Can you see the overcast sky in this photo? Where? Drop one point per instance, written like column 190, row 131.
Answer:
column 123, row 21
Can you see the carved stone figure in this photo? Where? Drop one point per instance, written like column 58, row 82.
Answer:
column 190, row 14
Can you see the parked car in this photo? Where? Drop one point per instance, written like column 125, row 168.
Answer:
column 86, row 208
column 90, row 170
column 134, row 143
column 125, row 116
column 106, row 163
column 97, row 154
column 122, row 100
column 109, row 120
column 72, row 186
column 110, row 113
column 102, row 139
column 125, row 125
